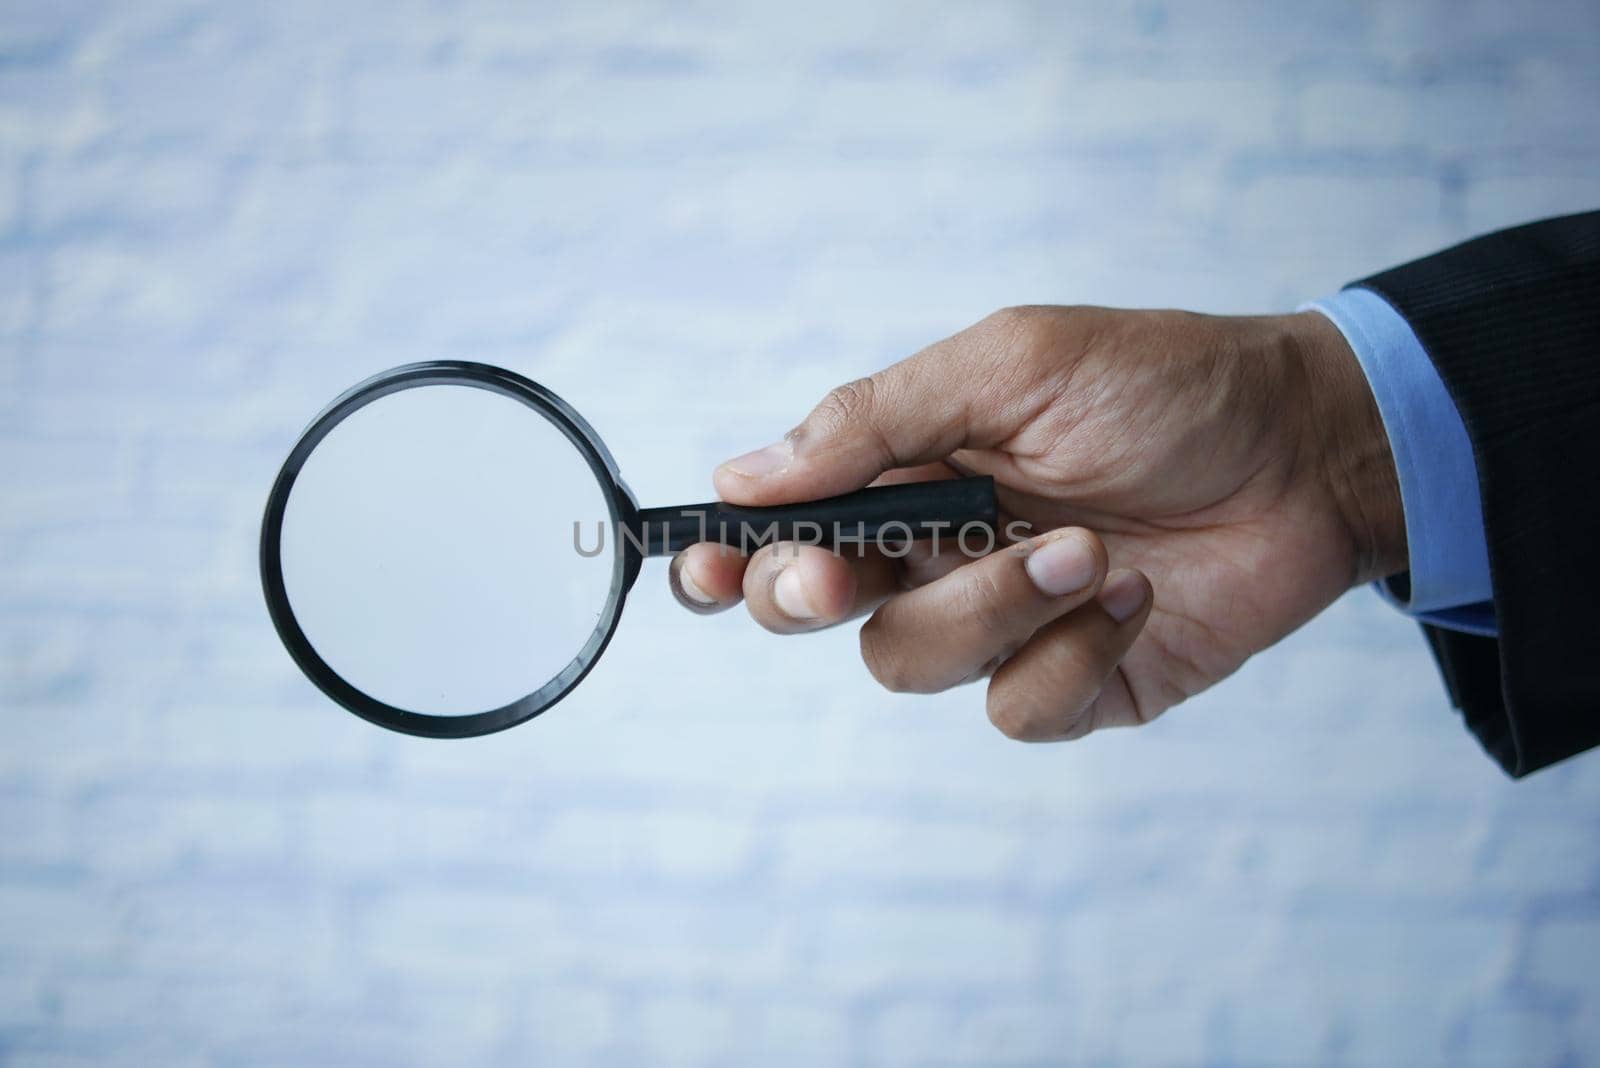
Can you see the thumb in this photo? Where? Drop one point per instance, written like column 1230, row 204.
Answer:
column 914, row 412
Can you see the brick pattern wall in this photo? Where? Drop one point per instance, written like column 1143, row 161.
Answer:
column 727, row 848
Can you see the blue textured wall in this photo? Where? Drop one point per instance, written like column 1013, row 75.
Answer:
column 214, row 217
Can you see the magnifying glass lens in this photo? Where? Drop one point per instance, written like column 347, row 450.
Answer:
column 448, row 546
column 428, row 550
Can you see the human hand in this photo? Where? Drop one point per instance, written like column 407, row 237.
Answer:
column 1237, row 465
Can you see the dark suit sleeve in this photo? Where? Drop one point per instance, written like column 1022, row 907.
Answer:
column 1512, row 322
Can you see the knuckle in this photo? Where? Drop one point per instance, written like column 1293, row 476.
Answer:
column 1034, row 331
column 844, row 406
column 1013, row 315
column 1020, row 323
column 985, row 602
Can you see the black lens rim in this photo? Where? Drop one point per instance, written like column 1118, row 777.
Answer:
column 496, row 380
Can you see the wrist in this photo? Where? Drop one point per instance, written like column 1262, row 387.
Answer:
column 1348, row 448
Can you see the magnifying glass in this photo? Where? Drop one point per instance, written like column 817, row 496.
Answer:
column 447, row 549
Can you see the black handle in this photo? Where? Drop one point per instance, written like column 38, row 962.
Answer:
column 887, row 515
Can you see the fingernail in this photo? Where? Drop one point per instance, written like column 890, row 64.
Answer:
column 790, row 594
column 688, row 594
column 687, row 587
column 1123, row 595
column 1061, row 566
column 763, row 462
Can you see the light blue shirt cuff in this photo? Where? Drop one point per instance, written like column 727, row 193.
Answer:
column 1449, row 582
